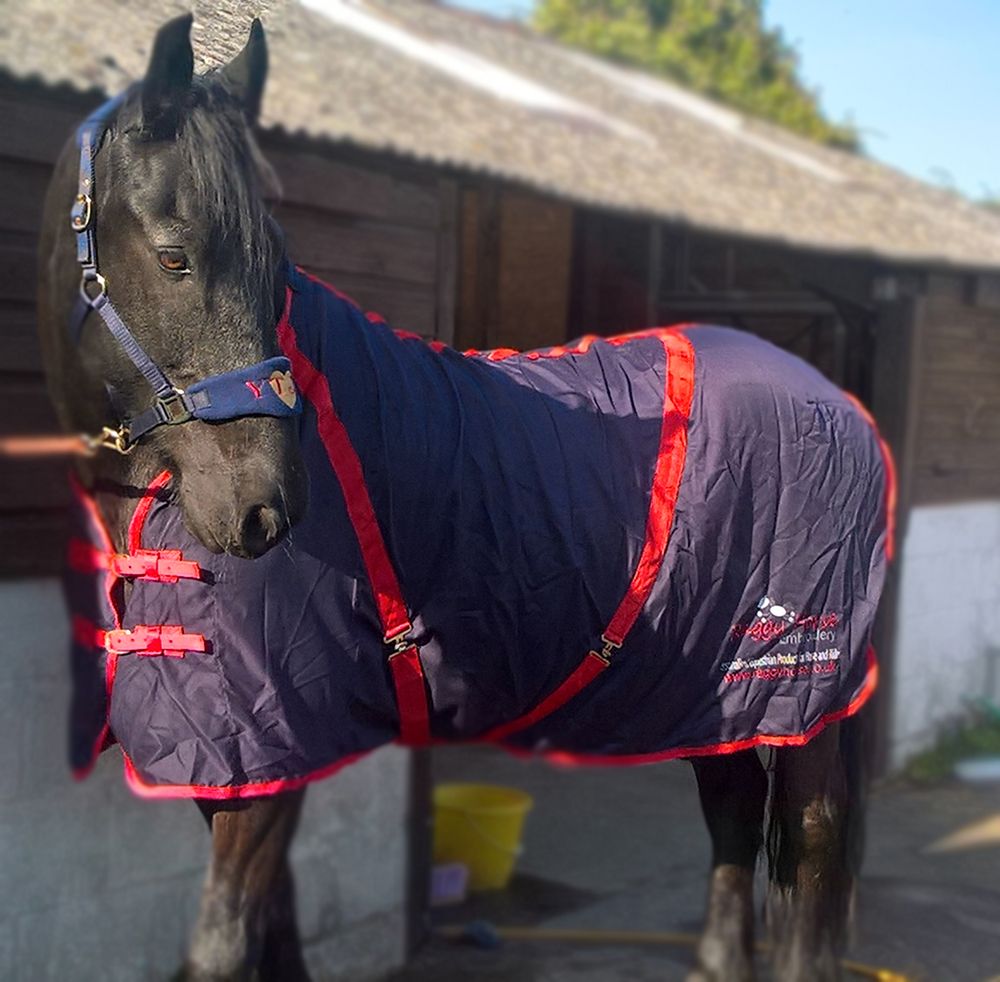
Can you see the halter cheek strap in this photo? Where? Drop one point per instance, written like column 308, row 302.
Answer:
column 263, row 389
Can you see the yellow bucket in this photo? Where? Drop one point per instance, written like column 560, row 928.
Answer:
column 480, row 825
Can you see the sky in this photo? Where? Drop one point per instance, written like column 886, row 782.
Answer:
column 920, row 78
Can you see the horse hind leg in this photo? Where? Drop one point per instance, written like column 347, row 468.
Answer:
column 733, row 792
column 814, row 850
column 245, row 928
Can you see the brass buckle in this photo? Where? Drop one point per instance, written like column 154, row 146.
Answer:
column 607, row 652
column 108, row 439
column 81, row 212
column 173, row 408
column 399, row 642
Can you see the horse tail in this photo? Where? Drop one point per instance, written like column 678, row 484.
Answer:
column 816, row 816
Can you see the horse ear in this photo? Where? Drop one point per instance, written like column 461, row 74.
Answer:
column 168, row 78
column 244, row 76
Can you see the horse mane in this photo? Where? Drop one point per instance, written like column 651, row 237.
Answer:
column 231, row 178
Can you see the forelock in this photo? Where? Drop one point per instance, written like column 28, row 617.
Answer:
column 229, row 180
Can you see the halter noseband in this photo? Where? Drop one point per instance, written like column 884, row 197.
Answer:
column 264, row 389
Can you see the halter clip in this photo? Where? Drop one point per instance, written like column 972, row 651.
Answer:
column 108, row 439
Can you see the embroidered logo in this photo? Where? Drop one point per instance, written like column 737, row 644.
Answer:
column 799, row 639
column 284, row 388
column 771, row 608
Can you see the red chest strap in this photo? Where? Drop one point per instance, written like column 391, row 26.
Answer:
column 156, row 565
column 170, row 640
column 404, row 659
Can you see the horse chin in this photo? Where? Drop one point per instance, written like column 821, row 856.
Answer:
column 241, row 504
column 258, row 518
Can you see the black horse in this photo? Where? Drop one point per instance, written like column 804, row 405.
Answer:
column 199, row 281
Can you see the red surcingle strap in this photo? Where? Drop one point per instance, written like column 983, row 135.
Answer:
column 582, row 676
column 677, row 399
column 411, row 695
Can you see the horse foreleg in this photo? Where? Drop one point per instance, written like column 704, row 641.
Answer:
column 245, row 926
column 811, row 878
column 733, row 792
column 282, row 958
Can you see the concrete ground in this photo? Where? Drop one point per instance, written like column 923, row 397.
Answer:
column 624, row 848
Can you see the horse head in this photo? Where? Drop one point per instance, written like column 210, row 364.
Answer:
column 190, row 265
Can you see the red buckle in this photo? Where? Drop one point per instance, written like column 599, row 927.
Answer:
column 156, row 566
column 169, row 640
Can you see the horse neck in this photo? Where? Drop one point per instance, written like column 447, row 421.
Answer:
column 402, row 413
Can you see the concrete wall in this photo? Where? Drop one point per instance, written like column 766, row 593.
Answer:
column 948, row 620
column 99, row 885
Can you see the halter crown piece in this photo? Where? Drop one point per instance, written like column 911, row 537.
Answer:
column 263, row 389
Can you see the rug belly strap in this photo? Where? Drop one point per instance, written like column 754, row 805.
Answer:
column 677, row 399
column 411, row 696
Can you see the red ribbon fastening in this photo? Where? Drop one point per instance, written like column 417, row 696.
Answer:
column 169, row 640
column 156, row 565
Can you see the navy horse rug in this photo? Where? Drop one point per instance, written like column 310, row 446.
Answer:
column 630, row 549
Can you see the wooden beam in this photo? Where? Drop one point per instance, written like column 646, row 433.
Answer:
column 984, row 291
column 488, row 232
column 749, row 304
column 840, row 342
column 896, row 406
column 654, row 273
column 419, row 852
column 585, row 302
column 682, row 263
column 447, row 262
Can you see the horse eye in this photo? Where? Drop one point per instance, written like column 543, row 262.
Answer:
column 174, row 260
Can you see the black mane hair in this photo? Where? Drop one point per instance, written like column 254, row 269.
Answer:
column 231, row 178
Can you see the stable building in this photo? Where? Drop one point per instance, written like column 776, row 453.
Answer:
column 486, row 187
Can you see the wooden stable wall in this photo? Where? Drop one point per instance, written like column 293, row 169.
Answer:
column 956, row 429
column 382, row 232
column 515, row 263
column 32, row 495
column 630, row 273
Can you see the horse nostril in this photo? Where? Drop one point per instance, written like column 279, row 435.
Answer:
column 262, row 527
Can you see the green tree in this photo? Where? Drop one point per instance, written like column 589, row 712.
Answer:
column 719, row 47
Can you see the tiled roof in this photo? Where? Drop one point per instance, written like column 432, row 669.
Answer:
column 428, row 82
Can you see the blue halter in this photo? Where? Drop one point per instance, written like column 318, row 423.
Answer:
column 264, row 389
